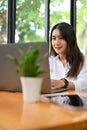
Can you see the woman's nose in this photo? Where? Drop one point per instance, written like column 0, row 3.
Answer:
column 57, row 41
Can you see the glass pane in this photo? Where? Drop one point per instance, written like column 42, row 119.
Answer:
column 59, row 11
column 82, row 25
column 3, row 14
column 30, row 20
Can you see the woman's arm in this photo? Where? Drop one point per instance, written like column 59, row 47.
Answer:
column 60, row 83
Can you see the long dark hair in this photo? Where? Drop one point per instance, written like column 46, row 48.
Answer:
column 73, row 54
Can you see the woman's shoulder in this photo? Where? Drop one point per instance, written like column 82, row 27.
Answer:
column 85, row 58
column 53, row 58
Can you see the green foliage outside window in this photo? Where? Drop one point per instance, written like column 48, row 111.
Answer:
column 30, row 18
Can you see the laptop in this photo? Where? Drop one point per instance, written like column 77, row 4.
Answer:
column 9, row 79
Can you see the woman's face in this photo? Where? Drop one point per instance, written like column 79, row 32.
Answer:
column 58, row 42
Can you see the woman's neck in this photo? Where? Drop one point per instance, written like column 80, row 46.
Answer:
column 63, row 59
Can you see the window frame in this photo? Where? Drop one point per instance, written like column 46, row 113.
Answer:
column 11, row 19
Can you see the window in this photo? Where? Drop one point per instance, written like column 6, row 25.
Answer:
column 82, row 25
column 3, row 25
column 31, row 20
column 30, row 15
column 59, row 11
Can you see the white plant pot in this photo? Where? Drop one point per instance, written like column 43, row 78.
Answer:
column 31, row 88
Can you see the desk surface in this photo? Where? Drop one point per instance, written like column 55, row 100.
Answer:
column 18, row 115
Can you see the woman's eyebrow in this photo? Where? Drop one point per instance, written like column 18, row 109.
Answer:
column 53, row 35
column 56, row 35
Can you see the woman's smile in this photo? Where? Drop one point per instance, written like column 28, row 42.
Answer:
column 57, row 49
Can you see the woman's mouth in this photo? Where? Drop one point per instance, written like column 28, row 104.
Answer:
column 58, row 48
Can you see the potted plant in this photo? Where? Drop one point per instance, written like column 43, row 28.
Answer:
column 29, row 66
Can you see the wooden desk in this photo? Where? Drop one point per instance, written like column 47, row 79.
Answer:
column 18, row 115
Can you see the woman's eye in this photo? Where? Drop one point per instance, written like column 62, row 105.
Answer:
column 53, row 38
column 61, row 38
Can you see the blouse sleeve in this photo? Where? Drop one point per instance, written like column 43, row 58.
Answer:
column 81, row 81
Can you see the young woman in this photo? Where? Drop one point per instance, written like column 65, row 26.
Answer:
column 68, row 65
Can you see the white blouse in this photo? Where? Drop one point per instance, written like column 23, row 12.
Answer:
column 58, row 71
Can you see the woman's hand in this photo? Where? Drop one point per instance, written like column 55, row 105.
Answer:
column 56, row 83
column 60, row 83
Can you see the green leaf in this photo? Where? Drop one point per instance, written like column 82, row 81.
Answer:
column 29, row 64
